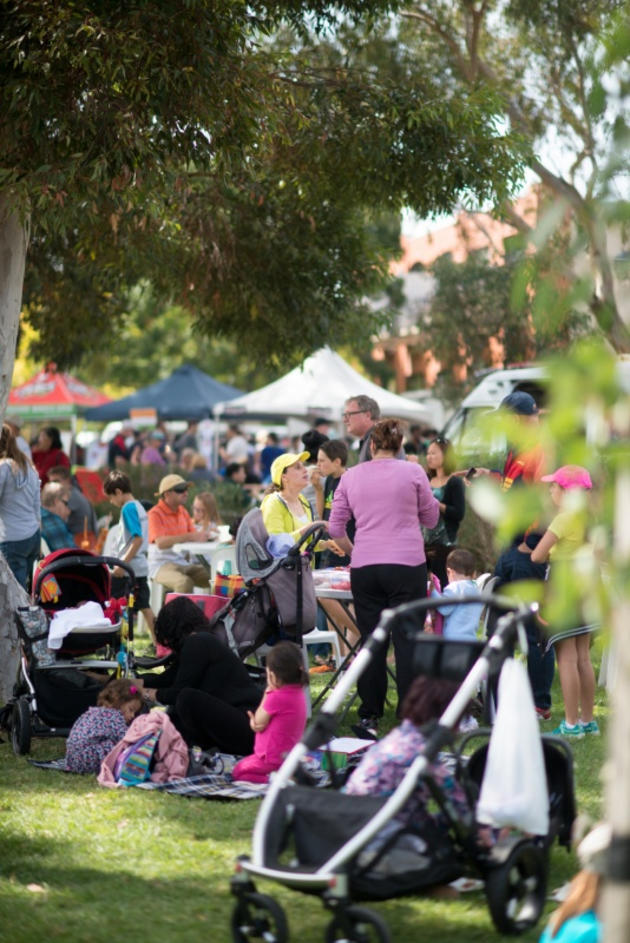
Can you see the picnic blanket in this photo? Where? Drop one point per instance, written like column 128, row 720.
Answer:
column 208, row 785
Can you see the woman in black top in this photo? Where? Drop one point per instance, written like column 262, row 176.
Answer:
column 450, row 491
column 207, row 688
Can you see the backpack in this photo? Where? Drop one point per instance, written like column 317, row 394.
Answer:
column 134, row 764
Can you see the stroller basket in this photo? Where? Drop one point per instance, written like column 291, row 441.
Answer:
column 318, row 821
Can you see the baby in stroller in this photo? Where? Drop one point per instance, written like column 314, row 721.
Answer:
column 417, row 834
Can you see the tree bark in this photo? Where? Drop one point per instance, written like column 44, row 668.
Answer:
column 616, row 895
column 13, row 245
column 11, row 596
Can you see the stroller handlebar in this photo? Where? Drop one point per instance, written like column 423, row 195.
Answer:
column 417, row 607
column 311, row 536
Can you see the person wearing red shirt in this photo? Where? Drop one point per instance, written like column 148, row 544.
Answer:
column 527, row 466
column 48, row 452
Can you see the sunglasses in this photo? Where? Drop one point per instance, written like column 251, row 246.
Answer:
column 354, row 412
column 180, row 489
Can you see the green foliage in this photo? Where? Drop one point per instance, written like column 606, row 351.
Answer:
column 549, row 66
column 153, row 338
column 237, row 173
column 472, row 305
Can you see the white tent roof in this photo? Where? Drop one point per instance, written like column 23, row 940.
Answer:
column 319, row 387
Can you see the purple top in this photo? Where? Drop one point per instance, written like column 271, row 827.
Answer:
column 389, row 500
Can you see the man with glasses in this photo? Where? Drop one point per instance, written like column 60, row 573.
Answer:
column 55, row 513
column 170, row 524
column 360, row 414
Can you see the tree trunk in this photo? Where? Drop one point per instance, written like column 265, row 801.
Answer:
column 13, row 245
column 604, row 303
column 11, row 596
column 616, row 896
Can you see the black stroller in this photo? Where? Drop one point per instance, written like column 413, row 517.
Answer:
column 311, row 839
column 55, row 686
column 279, row 596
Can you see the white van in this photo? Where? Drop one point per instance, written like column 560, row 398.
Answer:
column 462, row 428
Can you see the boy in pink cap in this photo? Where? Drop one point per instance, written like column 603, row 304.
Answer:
column 562, row 539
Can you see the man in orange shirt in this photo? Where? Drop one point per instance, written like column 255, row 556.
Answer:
column 171, row 524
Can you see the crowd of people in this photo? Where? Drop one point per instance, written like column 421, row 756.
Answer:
column 392, row 514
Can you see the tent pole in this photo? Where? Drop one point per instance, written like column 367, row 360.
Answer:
column 73, row 444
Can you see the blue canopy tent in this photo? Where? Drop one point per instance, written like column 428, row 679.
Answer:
column 188, row 393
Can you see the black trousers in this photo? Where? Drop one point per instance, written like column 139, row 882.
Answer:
column 207, row 721
column 375, row 588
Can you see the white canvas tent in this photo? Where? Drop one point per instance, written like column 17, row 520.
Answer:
column 319, row 387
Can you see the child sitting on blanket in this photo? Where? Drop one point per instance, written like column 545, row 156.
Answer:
column 100, row 728
column 280, row 719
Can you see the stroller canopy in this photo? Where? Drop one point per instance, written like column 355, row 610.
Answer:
column 252, row 557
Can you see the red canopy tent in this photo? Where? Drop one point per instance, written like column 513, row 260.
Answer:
column 52, row 395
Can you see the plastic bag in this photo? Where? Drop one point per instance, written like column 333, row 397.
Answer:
column 514, row 788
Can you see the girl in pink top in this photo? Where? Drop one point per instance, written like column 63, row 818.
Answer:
column 280, row 719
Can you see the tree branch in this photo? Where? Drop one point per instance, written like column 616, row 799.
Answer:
column 448, row 37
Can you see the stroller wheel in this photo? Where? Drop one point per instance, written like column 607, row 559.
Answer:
column 357, row 925
column 258, row 917
column 516, row 889
column 21, row 727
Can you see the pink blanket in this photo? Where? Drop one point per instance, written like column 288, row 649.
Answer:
column 171, row 755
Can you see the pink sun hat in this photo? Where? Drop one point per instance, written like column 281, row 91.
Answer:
column 570, row 476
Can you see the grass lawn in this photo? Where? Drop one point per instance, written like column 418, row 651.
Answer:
column 83, row 863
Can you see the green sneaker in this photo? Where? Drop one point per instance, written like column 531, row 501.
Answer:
column 575, row 732
column 591, row 727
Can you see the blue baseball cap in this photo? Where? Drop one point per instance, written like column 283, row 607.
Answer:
column 521, row 403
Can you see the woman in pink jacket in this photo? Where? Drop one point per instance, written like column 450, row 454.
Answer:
column 389, row 500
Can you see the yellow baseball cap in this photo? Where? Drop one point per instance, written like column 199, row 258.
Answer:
column 282, row 462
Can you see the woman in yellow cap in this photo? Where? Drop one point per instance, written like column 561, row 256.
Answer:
column 284, row 508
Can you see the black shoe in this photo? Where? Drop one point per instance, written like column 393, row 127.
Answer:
column 366, row 729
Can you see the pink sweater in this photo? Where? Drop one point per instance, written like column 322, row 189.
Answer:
column 171, row 755
column 389, row 500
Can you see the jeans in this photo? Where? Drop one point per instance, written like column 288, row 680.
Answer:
column 540, row 667
column 22, row 555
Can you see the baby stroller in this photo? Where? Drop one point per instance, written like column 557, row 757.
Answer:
column 279, row 596
column 55, row 686
column 311, row 839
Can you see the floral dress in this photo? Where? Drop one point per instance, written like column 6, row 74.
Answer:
column 92, row 736
column 384, row 765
